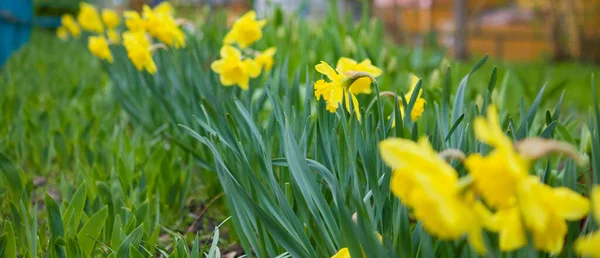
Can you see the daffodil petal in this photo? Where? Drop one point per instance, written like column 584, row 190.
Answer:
column 345, row 64
column 326, row 70
column 361, row 86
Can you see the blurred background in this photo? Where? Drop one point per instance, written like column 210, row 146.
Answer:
column 511, row 30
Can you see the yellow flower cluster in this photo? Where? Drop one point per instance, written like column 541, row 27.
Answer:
column 159, row 23
column 89, row 19
column 237, row 65
column 99, row 47
column 68, row 26
column 498, row 194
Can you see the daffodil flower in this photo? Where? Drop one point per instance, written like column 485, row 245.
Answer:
column 70, row 24
column 361, row 85
column 265, row 59
column 165, row 8
column 245, row 31
column 340, row 86
column 110, row 18
column 418, row 107
column 590, row 245
column 113, row 36
column 162, row 26
column 522, row 202
column 134, row 21
column 234, row 69
column 497, row 175
column 431, row 187
column 139, row 51
column 99, row 48
column 89, row 19
column 62, row 33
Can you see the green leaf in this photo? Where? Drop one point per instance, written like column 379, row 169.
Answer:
column 527, row 120
column 74, row 211
column 134, row 253
column 10, row 248
column 56, row 226
column 132, row 239
column 11, row 176
column 91, row 230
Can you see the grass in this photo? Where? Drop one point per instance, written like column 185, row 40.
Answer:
column 61, row 126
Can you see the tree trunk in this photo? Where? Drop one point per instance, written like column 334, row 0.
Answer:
column 460, row 30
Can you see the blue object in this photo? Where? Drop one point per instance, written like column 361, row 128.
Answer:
column 15, row 26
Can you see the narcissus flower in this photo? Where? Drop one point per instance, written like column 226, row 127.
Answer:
column 99, row 48
column 234, row 69
column 110, row 18
column 361, row 85
column 345, row 252
column 342, row 253
column 162, row 26
column 113, row 36
column 340, row 87
column 245, row 31
column 62, row 33
column 265, row 59
column 164, row 8
column 419, row 107
column 89, row 19
column 139, row 51
column 426, row 183
column 544, row 210
column 541, row 210
column 497, row 175
column 590, row 245
column 134, row 21
column 70, row 24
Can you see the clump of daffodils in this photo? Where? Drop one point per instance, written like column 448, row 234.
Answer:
column 239, row 63
column 498, row 194
column 139, row 41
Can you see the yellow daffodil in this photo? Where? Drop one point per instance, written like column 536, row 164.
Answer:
column 339, row 87
column 99, row 48
column 590, row 245
column 89, row 19
column 139, row 51
column 113, row 36
column 233, row 69
column 163, row 27
column 418, row 107
column 342, row 253
column 134, row 21
column 164, row 8
column 110, row 18
column 70, row 24
column 265, row 59
column 497, row 175
column 545, row 209
column 541, row 210
column 62, row 33
column 509, row 225
column 345, row 253
column 245, row 31
column 361, row 85
column 430, row 186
